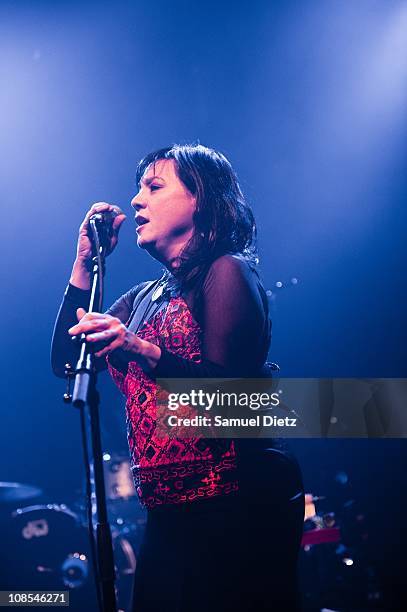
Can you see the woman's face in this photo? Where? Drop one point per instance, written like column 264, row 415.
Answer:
column 164, row 211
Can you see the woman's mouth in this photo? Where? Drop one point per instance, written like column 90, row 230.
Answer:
column 140, row 221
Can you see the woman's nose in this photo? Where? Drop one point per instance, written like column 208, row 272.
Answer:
column 137, row 202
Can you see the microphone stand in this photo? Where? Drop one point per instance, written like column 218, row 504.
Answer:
column 85, row 392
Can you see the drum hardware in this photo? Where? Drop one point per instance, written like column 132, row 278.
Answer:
column 335, row 571
column 329, row 519
column 50, row 551
column 123, row 506
column 47, row 546
column 118, row 478
column 75, row 570
column 318, row 529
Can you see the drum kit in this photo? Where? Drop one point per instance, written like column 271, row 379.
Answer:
column 47, row 546
column 334, row 567
column 318, row 529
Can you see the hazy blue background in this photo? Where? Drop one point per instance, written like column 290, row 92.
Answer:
column 308, row 101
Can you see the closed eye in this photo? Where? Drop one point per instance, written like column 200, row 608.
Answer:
column 155, row 187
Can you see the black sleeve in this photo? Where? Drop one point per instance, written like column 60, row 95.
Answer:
column 235, row 323
column 63, row 349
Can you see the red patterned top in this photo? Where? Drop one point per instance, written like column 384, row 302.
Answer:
column 171, row 470
column 231, row 339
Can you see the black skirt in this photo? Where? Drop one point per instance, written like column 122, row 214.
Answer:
column 232, row 553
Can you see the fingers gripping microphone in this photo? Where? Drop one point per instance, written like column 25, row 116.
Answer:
column 100, row 232
column 102, row 222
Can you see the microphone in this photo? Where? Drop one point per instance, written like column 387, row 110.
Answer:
column 103, row 223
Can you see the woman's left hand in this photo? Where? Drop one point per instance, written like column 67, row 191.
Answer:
column 108, row 334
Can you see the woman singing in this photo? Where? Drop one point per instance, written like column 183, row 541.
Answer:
column 224, row 516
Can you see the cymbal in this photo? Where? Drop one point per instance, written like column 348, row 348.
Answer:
column 15, row 491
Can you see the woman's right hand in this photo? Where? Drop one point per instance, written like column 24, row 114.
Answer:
column 80, row 274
